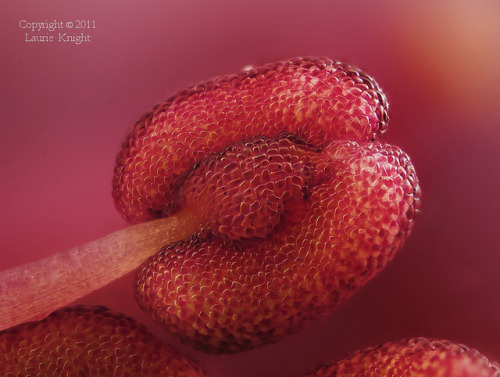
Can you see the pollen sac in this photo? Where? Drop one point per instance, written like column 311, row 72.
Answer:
column 413, row 358
column 317, row 99
column 245, row 191
column 349, row 208
column 298, row 202
column 88, row 341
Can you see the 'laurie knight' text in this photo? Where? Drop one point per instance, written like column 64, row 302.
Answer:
column 62, row 37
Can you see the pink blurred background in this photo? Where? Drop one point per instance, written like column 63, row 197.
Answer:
column 65, row 109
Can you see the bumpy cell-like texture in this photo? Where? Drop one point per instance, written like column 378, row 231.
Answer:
column 88, row 341
column 244, row 191
column 317, row 99
column 412, row 358
column 353, row 208
column 299, row 205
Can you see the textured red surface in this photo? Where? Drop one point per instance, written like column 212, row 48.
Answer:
column 88, row 341
column 315, row 98
column 412, row 358
column 227, row 296
column 292, row 225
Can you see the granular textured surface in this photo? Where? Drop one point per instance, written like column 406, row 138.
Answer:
column 245, row 190
column 346, row 216
column 314, row 98
column 418, row 357
column 88, row 341
column 298, row 203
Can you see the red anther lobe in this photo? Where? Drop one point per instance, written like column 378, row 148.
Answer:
column 317, row 99
column 88, row 341
column 413, row 358
column 225, row 296
column 244, row 191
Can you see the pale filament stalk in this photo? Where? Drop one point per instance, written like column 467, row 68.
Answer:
column 32, row 291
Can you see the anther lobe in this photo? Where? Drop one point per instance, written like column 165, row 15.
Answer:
column 228, row 296
column 88, row 341
column 314, row 98
column 244, row 191
column 413, row 358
